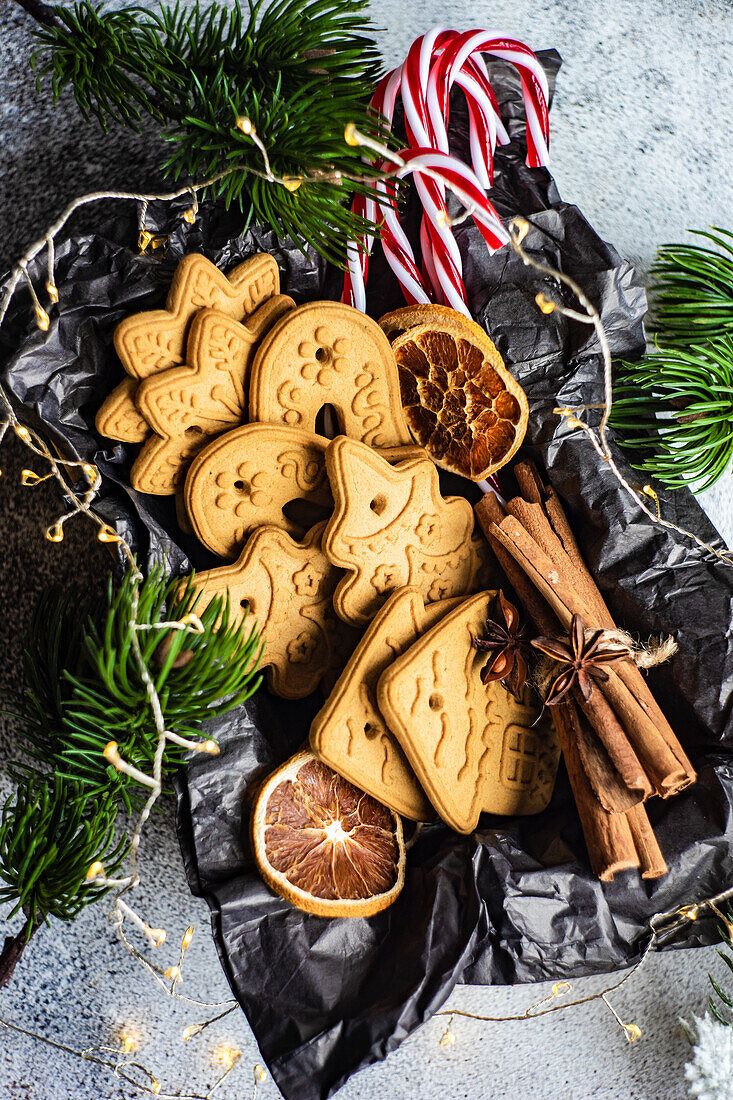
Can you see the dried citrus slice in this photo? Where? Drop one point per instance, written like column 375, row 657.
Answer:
column 396, row 322
column 461, row 402
column 323, row 844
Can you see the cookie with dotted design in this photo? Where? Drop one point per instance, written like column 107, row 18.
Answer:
column 327, row 353
column 155, row 340
column 473, row 747
column 287, row 586
column 350, row 734
column 185, row 406
column 391, row 527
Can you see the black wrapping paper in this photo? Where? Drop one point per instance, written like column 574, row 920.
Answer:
column 515, row 902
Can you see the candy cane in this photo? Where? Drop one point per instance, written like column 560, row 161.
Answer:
column 435, row 63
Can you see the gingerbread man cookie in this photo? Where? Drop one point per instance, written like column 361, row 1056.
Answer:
column 326, row 353
column 473, row 747
column 350, row 734
column 287, row 587
column 155, row 340
column 187, row 405
column 391, row 527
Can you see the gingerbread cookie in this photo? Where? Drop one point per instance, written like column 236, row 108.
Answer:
column 326, row 353
column 155, row 340
column 187, row 405
column 287, row 587
column 248, row 477
column 391, row 527
column 473, row 747
column 349, row 733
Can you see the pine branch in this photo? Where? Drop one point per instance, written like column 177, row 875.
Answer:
column 693, row 296
column 83, row 686
column 675, row 408
column 298, row 71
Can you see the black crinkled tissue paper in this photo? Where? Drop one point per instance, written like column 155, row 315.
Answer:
column 515, row 902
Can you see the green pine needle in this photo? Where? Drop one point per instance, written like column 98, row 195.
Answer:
column 722, row 1000
column 693, row 296
column 300, row 71
column 676, row 408
column 84, row 687
column 50, row 834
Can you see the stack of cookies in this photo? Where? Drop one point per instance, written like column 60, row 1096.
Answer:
column 355, row 567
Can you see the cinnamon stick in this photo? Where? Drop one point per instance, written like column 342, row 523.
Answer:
column 620, row 752
column 649, row 732
column 608, row 837
column 606, row 782
column 536, row 491
column 489, row 511
column 651, row 861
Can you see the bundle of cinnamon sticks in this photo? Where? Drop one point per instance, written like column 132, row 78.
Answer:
column 619, row 748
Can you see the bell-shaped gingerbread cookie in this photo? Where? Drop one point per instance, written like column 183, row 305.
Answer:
column 326, row 353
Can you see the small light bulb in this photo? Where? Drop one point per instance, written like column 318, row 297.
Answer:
column 187, row 937
column 22, row 433
column 155, row 1085
column 159, row 936
column 245, row 125
column 95, row 870
column 52, row 291
column 173, row 972
column 110, row 752
column 260, row 1072
column 108, row 534
column 194, row 622
column 90, row 472
column 30, row 477
column 291, row 183
column 633, row 1032
column 573, row 422
column 692, row 912
column 210, row 747
column 447, row 1038
column 129, row 1044
column 55, row 533
column 350, row 134
column 42, row 318
column 441, row 217
column 190, row 1031
column 189, row 215
column 545, row 304
column 559, row 988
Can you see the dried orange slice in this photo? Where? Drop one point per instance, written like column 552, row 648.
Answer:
column 461, row 402
column 323, row 844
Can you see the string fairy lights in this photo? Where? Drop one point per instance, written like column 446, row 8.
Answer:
column 67, row 474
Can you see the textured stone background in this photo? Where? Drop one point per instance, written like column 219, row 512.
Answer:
column 639, row 142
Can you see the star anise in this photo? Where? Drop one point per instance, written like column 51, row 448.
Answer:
column 508, row 645
column 583, row 657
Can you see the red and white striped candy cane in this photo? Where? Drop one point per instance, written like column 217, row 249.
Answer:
column 535, row 89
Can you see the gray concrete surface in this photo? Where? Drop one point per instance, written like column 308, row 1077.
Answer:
column 640, row 141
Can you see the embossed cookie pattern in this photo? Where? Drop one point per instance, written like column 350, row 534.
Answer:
column 391, row 527
column 206, row 396
column 326, row 353
column 473, row 747
column 287, row 587
column 247, row 477
column 350, row 734
column 155, row 340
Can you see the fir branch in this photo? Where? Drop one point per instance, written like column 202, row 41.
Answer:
column 722, row 1000
column 693, row 296
column 84, row 687
column 50, row 834
column 299, row 71
column 676, row 408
